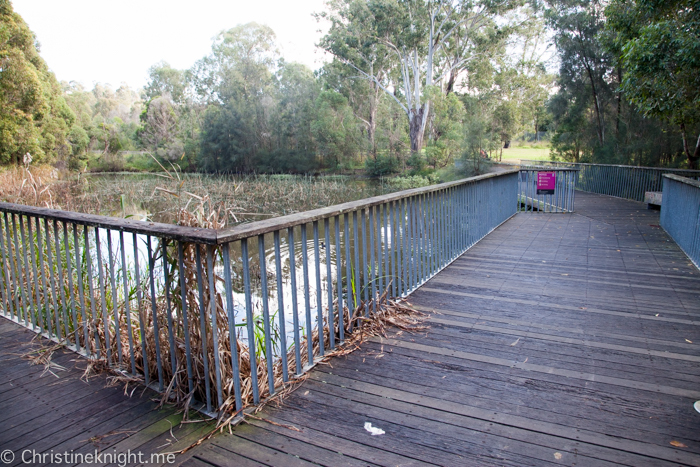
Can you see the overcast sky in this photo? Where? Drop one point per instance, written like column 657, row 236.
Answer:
column 93, row 41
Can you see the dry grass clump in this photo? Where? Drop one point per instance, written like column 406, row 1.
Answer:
column 34, row 186
column 240, row 199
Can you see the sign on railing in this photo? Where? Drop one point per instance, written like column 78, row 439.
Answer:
column 550, row 190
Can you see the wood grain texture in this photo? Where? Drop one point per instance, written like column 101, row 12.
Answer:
column 61, row 411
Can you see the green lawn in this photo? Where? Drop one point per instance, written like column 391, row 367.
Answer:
column 514, row 154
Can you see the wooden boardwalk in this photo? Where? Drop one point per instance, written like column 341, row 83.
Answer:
column 568, row 339
column 56, row 410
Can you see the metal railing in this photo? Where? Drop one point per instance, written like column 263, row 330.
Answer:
column 680, row 213
column 226, row 316
column 562, row 200
column 621, row 181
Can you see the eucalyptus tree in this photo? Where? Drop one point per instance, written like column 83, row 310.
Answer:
column 425, row 42
column 354, row 39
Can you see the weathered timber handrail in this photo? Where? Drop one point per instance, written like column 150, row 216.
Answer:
column 687, row 181
column 292, row 220
column 170, row 231
column 229, row 234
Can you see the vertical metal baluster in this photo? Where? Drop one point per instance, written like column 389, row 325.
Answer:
column 295, row 307
column 154, row 313
column 365, row 283
column 91, row 291
column 233, row 340
column 433, row 231
column 307, row 294
column 380, row 256
column 5, row 280
column 464, row 217
column 329, row 283
column 215, row 330
column 453, row 224
column 183, row 304
column 444, row 242
column 250, row 324
column 412, row 236
column 8, row 275
column 440, row 247
column 429, row 215
column 348, row 269
column 412, row 245
column 32, row 256
column 142, row 325
column 280, row 307
column 103, row 296
column 404, row 245
column 357, row 290
column 69, row 275
column 115, row 306
column 168, row 309
column 26, row 291
column 319, row 294
column 450, row 224
column 419, row 238
column 391, row 267
column 339, row 281
column 81, row 289
column 60, row 280
column 422, row 223
column 457, row 213
column 396, row 227
column 202, row 324
column 372, row 271
column 266, row 313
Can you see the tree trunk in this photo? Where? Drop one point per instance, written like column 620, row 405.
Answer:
column 596, row 105
column 415, row 128
column 619, row 106
column 692, row 158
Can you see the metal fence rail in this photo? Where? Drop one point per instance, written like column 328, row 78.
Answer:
column 561, row 201
column 621, row 181
column 226, row 316
column 680, row 213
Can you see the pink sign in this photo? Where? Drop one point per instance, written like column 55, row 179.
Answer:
column 546, row 181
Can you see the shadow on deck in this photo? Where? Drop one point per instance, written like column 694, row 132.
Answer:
column 567, row 339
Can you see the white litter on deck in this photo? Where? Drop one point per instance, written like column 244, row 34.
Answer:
column 373, row 429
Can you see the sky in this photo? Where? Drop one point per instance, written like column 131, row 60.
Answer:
column 95, row 41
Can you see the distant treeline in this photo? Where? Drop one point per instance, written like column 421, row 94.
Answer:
column 412, row 86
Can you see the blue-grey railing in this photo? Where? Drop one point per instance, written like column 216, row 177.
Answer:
column 621, row 181
column 680, row 213
column 227, row 316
